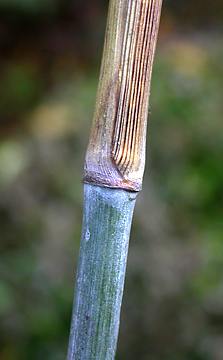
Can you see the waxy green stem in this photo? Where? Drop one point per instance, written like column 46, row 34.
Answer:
column 101, row 272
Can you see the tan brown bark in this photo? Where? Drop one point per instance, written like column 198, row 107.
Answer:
column 116, row 151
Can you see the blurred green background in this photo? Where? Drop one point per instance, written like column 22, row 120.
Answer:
column 50, row 54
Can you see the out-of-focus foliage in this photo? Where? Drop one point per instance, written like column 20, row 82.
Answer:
column 29, row 6
column 173, row 297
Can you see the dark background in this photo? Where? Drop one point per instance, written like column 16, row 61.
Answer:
column 49, row 64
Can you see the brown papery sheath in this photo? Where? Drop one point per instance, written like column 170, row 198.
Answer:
column 116, row 152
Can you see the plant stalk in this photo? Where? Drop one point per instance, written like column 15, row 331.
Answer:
column 113, row 173
column 101, row 272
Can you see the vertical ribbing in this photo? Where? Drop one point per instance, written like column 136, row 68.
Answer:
column 116, row 152
column 140, row 25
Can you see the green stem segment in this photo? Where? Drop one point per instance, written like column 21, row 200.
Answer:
column 101, row 272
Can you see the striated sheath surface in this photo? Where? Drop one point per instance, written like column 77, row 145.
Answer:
column 116, row 151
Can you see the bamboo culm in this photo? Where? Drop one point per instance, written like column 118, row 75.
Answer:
column 113, row 173
column 101, row 272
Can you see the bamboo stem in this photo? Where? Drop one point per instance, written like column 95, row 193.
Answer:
column 114, row 168
column 101, row 272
